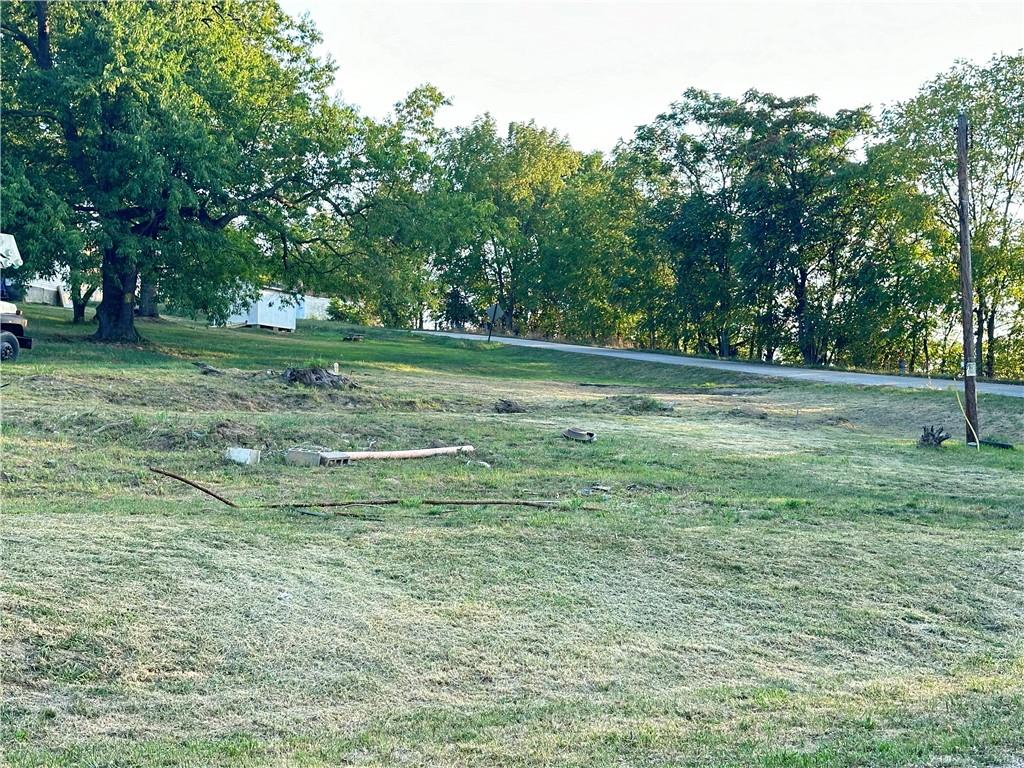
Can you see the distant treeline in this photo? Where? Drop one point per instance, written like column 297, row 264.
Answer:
column 757, row 226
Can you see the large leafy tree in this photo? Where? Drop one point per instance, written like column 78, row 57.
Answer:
column 645, row 282
column 755, row 201
column 390, row 228
column 498, row 195
column 694, row 162
column 191, row 141
column 801, row 195
column 921, row 130
column 583, row 254
column 899, row 279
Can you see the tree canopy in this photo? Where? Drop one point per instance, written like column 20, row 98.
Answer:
column 196, row 150
column 193, row 141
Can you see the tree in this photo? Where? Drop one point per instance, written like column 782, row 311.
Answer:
column 901, row 279
column 190, row 140
column 456, row 310
column 800, row 195
column 754, row 201
column 921, row 129
column 54, row 239
column 497, row 197
column 644, row 285
column 694, row 161
column 391, row 238
column 582, row 254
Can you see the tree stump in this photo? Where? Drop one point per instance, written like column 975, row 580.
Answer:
column 933, row 437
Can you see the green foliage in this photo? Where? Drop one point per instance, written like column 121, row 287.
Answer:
column 496, row 197
column 792, row 233
column 920, row 132
column 456, row 309
column 757, row 226
column 202, row 168
column 347, row 312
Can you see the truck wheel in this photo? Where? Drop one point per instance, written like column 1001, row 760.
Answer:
column 9, row 347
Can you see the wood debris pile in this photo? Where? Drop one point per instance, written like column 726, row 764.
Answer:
column 318, row 377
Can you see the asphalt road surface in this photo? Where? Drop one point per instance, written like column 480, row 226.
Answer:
column 754, row 369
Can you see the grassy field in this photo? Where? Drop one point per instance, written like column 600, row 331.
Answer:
column 776, row 575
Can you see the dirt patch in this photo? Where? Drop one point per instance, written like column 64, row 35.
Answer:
column 507, row 405
column 747, row 413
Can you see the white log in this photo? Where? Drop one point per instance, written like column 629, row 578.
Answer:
column 418, row 453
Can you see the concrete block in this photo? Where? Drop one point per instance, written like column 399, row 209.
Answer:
column 302, row 458
column 242, row 455
column 334, row 458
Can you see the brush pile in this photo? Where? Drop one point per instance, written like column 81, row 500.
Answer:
column 318, row 377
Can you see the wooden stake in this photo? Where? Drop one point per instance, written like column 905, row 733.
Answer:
column 966, row 290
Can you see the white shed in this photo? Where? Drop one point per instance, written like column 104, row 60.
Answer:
column 312, row 307
column 46, row 290
column 273, row 309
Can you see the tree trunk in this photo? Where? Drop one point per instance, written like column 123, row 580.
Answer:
column 979, row 333
column 990, row 353
column 803, row 332
column 147, row 297
column 116, row 313
column 723, row 343
column 79, row 298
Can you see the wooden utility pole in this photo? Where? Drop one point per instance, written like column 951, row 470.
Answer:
column 966, row 289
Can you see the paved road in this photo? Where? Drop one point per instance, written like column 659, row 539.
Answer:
column 755, row 369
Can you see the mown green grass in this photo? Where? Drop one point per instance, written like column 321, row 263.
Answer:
column 777, row 577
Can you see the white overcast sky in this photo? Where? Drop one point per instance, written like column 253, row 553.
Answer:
column 595, row 70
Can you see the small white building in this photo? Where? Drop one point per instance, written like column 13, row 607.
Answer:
column 274, row 309
column 312, row 307
column 46, row 290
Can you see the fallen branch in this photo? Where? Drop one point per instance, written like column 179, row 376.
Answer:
column 539, row 504
column 310, row 513
column 545, row 504
column 197, row 486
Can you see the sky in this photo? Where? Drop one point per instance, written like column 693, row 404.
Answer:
column 596, row 70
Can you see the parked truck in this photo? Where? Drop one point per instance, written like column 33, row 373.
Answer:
column 13, row 325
